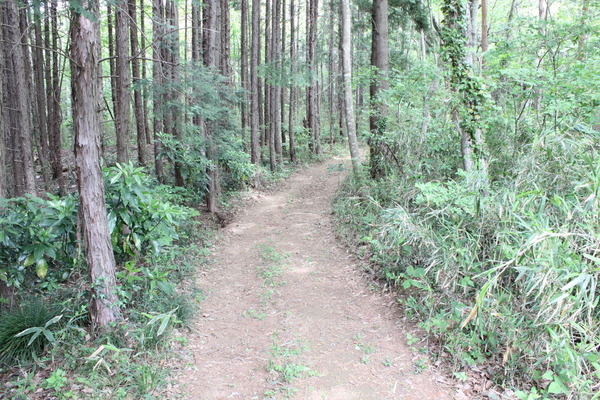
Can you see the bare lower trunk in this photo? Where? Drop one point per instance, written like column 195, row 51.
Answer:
column 380, row 62
column 85, row 50
column 123, row 106
column 312, row 90
column 21, row 95
column 348, row 101
column 292, row 105
column 138, row 103
column 254, row 85
column 157, row 76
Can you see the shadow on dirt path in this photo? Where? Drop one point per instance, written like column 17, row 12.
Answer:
column 288, row 315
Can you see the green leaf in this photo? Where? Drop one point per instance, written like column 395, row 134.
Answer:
column 557, row 387
column 29, row 260
column 163, row 325
column 41, row 268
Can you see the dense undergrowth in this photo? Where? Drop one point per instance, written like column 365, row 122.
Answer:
column 500, row 270
column 46, row 347
column 503, row 276
column 159, row 239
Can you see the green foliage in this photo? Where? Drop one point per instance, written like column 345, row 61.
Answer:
column 211, row 136
column 473, row 264
column 140, row 218
column 26, row 331
column 38, row 238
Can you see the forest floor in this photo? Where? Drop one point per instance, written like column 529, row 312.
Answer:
column 288, row 313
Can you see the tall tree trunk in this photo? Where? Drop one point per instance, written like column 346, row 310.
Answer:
column 244, row 65
column 380, row 63
column 292, row 105
column 254, row 85
column 583, row 36
column 282, row 86
column 3, row 134
column 172, row 56
column 55, row 118
column 472, row 32
column 331, row 72
column 157, row 77
column 466, row 86
column 276, row 88
column 21, row 95
column 40, row 89
column 32, row 101
column 85, row 51
column 138, row 104
column 266, row 121
column 211, row 44
column 484, row 27
column 346, row 29
column 144, row 72
column 312, row 109
column 123, row 81
column 225, row 39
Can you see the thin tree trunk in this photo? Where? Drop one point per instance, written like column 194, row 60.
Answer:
column 144, row 72
column 292, row 105
column 85, row 51
column 312, row 90
column 282, row 86
column 138, row 104
column 225, row 39
column 157, row 76
column 3, row 133
column 330, row 72
column 348, row 101
column 112, row 62
column 244, row 64
column 254, row 85
column 32, row 111
column 380, row 61
column 276, row 89
column 21, row 96
column 172, row 51
column 41, row 117
column 484, row 27
column 583, row 37
column 123, row 81
column 211, row 59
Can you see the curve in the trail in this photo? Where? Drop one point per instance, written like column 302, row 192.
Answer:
column 287, row 314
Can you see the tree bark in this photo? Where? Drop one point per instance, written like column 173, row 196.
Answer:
column 157, row 77
column 144, row 73
column 380, row 63
column 3, row 134
column 244, row 65
column 211, row 44
column 312, row 116
column 346, row 29
column 85, row 85
column 254, row 85
column 40, row 99
column 138, row 104
column 292, row 105
column 123, row 81
column 276, row 88
column 225, row 39
column 21, row 95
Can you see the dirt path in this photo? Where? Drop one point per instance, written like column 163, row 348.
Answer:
column 287, row 315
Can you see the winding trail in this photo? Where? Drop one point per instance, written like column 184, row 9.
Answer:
column 289, row 316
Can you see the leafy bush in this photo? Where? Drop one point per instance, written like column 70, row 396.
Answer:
column 38, row 236
column 140, row 219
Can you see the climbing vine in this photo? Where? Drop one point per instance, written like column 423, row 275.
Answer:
column 469, row 87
